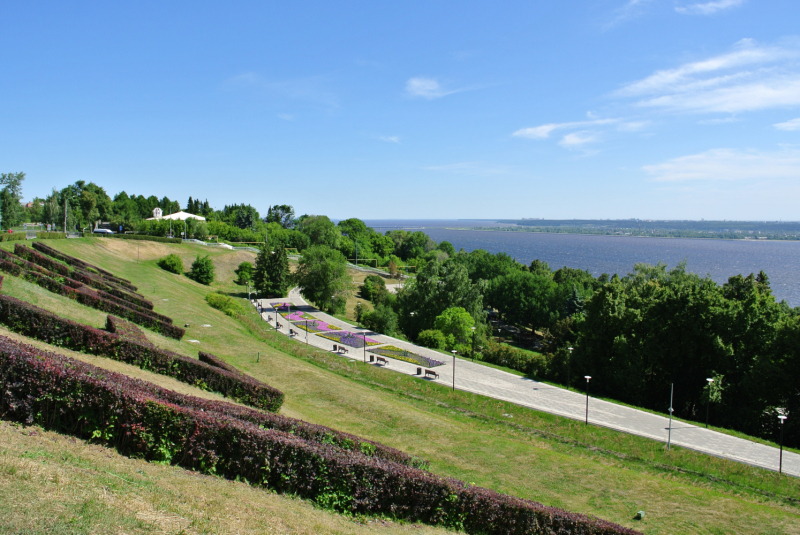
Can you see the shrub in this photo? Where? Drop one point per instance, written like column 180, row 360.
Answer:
column 244, row 273
column 382, row 320
column 171, row 263
column 433, row 339
column 50, row 235
column 202, row 270
column 504, row 355
column 126, row 330
column 213, row 360
column 145, row 237
column 35, row 322
column 201, row 231
column 16, row 236
column 226, row 304
column 143, row 420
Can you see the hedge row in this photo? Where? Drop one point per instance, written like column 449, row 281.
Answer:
column 91, row 298
column 34, row 322
column 145, row 421
column 213, row 360
column 16, row 236
column 30, row 255
column 50, row 235
column 516, row 359
column 99, row 284
column 77, row 262
column 145, row 237
column 21, row 262
column 127, row 330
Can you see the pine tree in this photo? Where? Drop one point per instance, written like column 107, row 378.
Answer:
column 190, row 206
column 271, row 274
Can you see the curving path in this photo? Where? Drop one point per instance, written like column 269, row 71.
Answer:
column 479, row 379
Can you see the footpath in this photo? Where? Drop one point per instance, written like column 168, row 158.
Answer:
column 497, row 384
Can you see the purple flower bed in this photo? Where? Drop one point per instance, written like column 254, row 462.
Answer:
column 407, row 356
column 350, row 339
column 297, row 316
column 316, row 326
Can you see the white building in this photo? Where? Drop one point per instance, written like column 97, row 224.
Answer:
column 177, row 216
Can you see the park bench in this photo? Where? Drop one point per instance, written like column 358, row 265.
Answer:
column 280, row 325
column 431, row 373
column 292, row 332
column 381, row 360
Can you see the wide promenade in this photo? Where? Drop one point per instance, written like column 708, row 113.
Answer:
column 497, row 384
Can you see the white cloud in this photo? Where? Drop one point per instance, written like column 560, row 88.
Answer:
column 576, row 140
column 728, row 165
column 286, row 116
column 794, row 124
column 390, row 139
column 470, row 168
column 543, row 131
column 633, row 126
column 630, row 10
column 749, row 78
column 708, row 8
column 428, row 88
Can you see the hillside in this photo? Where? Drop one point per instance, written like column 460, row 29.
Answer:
column 462, row 435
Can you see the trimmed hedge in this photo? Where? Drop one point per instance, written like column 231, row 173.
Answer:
column 127, row 330
column 30, row 255
column 50, row 235
column 98, row 284
column 145, row 421
column 145, row 237
column 35, row 322
column 213, row 360
column 77, row 262
column 516, row 359
column 92, row 298
column 15, row 236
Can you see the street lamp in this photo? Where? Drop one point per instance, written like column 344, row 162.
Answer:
column 276, row 317
column 473, row 344
column 782, row 418
column 587, row 397
column 365, row 346
column 569, row 360
column 708, row 402
column 671, row 410
column 454, row 369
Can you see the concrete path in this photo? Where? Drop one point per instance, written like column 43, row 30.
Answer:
column 497, row 384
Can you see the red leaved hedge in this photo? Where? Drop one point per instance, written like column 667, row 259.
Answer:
column 145, row 421
column 38, row 323
column 77, row 262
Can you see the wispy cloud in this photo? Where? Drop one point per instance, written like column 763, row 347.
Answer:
column 792, row 125
column 750, row 77
column 390, row 139
column 312, row 89
column 544, row 131
column 576, row 140
column 470, row 168
column 628, row 11
column 728, row 165
column 428, row 88
column 708, row 8
column 286, row 116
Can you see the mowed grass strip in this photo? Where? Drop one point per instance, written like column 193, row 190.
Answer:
column 533, row 455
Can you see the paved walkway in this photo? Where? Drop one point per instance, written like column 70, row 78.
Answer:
column 497, row 384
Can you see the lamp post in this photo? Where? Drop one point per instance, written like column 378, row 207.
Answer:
column 276, row 317
column 588, row 377
column 306, row 331
column 365, row 346
column 782, row 418
column 708, row 401
column 473, row 344
column 454, row 369
column 669, row 431
column 569, row 360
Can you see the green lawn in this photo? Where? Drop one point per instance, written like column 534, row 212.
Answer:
column 533, row 455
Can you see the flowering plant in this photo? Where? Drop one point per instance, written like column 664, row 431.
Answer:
column 350, row 339
column 407, row 356
column 315, row 326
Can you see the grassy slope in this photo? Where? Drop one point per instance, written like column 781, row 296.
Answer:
column 420, row 418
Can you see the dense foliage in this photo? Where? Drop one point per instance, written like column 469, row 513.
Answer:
column 202, row 270
column 171, row 263
column 322, row 277
column 225, row 304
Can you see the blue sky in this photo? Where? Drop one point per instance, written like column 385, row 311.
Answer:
column 668, row 109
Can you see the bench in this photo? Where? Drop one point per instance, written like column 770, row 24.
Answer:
column 431, row 373
column 381, row 360
column 292, row 332
column 280, row 325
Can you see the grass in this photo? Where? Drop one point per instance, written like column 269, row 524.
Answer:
column 533, row 455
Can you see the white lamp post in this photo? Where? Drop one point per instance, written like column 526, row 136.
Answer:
column 587, row 377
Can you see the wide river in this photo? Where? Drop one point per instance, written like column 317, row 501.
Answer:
column 719, row 259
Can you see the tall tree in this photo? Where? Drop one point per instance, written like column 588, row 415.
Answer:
column 322, row 277
column 271, row 274
column 10, row 196
column 283, row 214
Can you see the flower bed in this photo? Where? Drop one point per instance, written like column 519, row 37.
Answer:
column 349, row 339
column 316, row 326
column 407, row 356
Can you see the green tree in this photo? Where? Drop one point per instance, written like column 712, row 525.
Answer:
column 433, row 339
column 455, row 324
column 282, row 214
column 202, row 270
column 89, row 210
column 320, row 231
column 271, row 273
column 10, row 196
column 322, row 277
column 381, row 320
column 244, row 273
column 372, row 285
column 172, row 263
